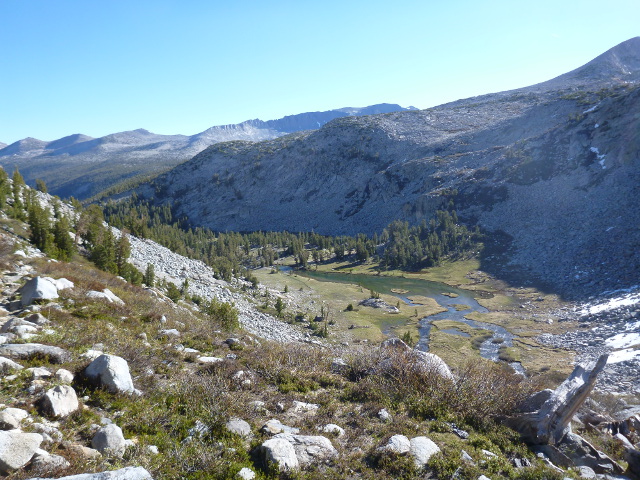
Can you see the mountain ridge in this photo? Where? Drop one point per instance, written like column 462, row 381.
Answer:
column 570, row 156
column 67, row 163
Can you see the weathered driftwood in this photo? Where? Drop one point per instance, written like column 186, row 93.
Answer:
column 548, row 424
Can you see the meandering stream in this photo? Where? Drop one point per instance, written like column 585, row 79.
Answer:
column 445, row 295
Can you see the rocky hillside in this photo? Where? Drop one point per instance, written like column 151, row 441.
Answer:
column 550, row 172
column 81, row 166
column 101, row 379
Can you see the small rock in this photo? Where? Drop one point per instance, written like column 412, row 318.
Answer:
column 7, row 364
column 83, row 452
column 8, row 421
column 39, row 372
column 303, row 407
column 273, row 427
column 200, row 429
column 169, row 333
column 30, row 350
column 465, row 457
column 280, row 452
column 152, row 449
column 37, row 319
column 42, row 462
column 239, row 427
column 384, row 415
column 60, row 401
column 246, row 474
column 422, row 449
column 309, row 448
column 333, row 428
column 64, row 376
column 397, row 444
column 109, row 440
column 106, row 294
column 209, row 360
column 586, row 472
column 339, row 366
column 127, row 473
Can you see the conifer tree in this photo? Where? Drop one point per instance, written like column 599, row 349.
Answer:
column 150, row 275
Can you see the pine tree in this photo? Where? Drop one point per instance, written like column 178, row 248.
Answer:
column 65, row 245
column 4, row 188
column 150, row 275
column 40, row 228
column 17, row 187
column 122, row 252
column 41, row 186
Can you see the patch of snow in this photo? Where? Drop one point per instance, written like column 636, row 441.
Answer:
column 596, row 125
column 611, row 304
column 591, row 109
column 601, row 158
column 623, row 340
column 623, row 355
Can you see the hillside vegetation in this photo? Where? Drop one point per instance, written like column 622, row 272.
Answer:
column 203, row 397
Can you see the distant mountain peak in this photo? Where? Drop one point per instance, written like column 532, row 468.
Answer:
column 618, row 64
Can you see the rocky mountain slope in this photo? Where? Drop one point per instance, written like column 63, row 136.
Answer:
column 98, row 375
column 549, row 171
column 81, row 166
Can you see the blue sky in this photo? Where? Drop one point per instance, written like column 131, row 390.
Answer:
column 99, row 67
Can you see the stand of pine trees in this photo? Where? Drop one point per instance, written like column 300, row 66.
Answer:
column 231, row 253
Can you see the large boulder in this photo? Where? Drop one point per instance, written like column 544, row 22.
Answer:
column 128, row 473
column 16, row 449
column 309, row 448
column 109, row 440
column 30, row 350
column 60, row 401
column 37, row 288
column 279, row 452
column 110, row 372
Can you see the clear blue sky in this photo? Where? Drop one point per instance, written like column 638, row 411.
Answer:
column 99, row 67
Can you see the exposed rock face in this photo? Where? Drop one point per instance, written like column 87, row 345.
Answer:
column 68, row 164
column 110, row 372
column 16, row 449
column 512, row 157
